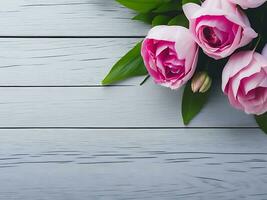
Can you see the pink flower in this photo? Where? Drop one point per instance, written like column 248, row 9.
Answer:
column 244, row 80
column 219, row 27
column 170, row 55
column 245, row 4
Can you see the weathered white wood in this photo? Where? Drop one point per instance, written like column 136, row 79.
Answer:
column 58, row 61
column 146, row 106
column 133, row 164
column 53, row 62
column 68, row 18
column 111, row 164
column 75, row 62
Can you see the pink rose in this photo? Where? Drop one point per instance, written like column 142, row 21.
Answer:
column 219, row 27
column 170, row 55
column 245, row 4
column 244, row 80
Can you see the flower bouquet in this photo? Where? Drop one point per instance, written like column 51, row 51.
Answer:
column 194, row 42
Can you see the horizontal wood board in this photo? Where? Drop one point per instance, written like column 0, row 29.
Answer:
column 147, row 106
column 64, row 137
column 68, row 18
column 133, row 164
column 60, row 62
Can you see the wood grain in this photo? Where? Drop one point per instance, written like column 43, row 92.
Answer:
column 84, row 62
column 147, row 106
column 64, row 137
column 67, row 18
column 133, row 164
column 60, row 62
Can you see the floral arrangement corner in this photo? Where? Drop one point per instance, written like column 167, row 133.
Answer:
column 193, row 42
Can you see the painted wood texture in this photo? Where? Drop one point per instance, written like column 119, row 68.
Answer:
column 147, row 106
column 67, row 18
column 133, row 164
column 84, row 62
column 63, row 136
column 60, row 62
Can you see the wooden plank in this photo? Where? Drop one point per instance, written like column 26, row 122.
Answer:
column 146, row 106
column 50, row 62
column 133, row 164
column 67, row 18
column 84, row 62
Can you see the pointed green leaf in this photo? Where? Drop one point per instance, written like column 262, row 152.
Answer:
column 145, row 80
column 262, row 122
column 169, row 7
column 128, row 66
column 191, row 1
column 180, row 20
column 147, row 17
column 161, row 20
column 142, row 6
column 192, row 103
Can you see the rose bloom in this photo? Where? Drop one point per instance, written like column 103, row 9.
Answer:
column 244, row 81
column 219, row 27
column 245, row 4
column 170, row 55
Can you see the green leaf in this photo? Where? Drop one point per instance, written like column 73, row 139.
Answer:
column 128, row 66
column 191, row 1
column 169, row 7
column 147, row 17
column 180, row 20
column 192, row 103
column 161, row 20
column 262, row 122
column 258, row 17
column 145, row 80
column 142, row 6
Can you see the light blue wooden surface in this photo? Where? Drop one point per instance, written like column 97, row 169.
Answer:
column 63, row 136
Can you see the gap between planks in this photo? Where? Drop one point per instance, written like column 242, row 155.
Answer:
column 28, row 109
column 68, row 37
column 130, row 128
column 63, row 86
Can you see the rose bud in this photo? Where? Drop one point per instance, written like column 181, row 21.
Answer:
column 245, row 4
column 170, row 55
column 219, row 27
column 244, row 81
column 201, row 82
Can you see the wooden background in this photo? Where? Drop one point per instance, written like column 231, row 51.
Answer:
column 63, row 136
